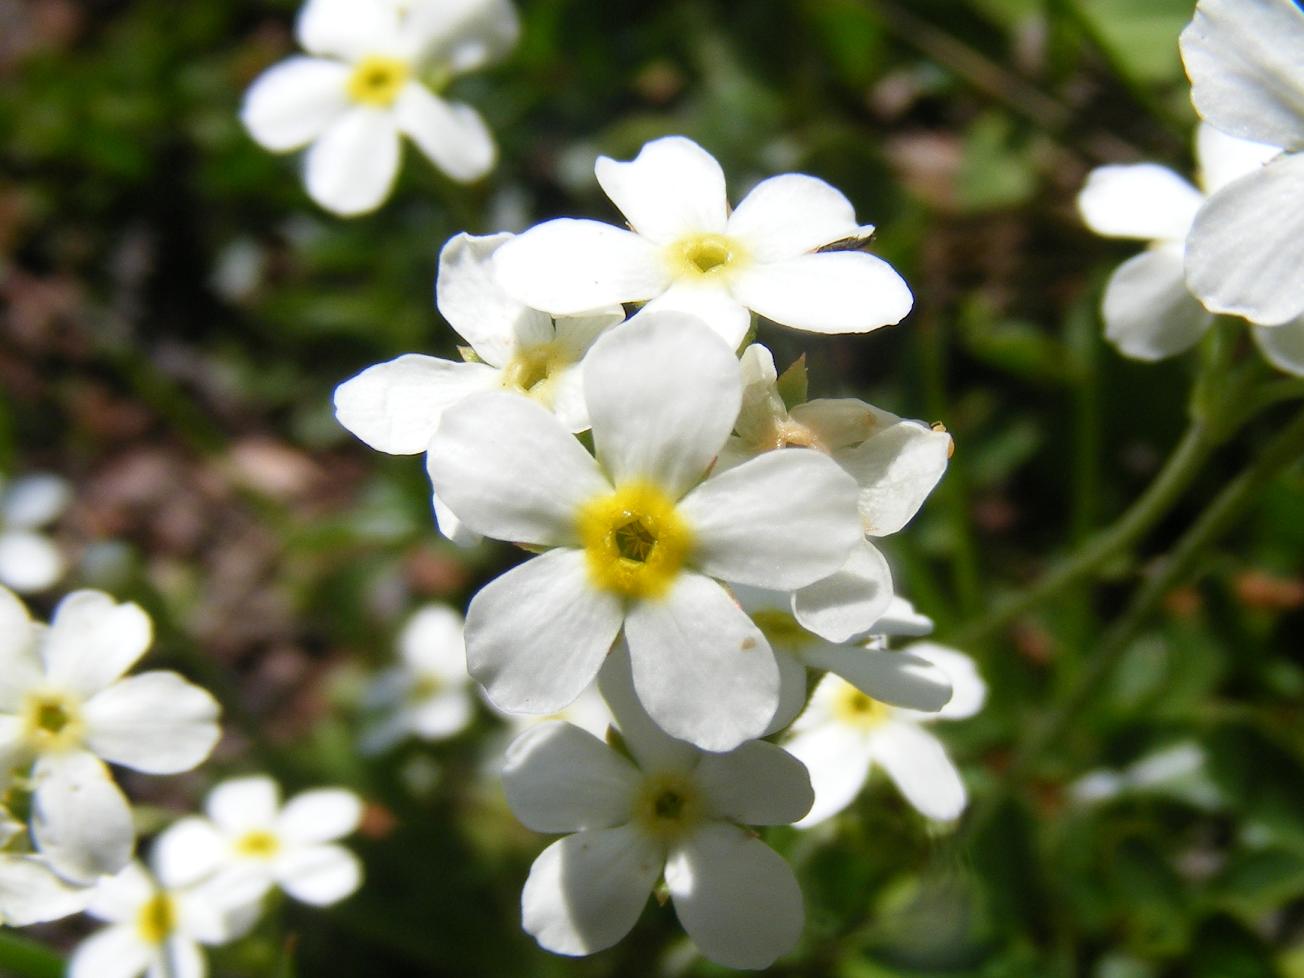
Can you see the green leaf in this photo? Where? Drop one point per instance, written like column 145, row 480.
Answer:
column 792, row 383
column 24, row 958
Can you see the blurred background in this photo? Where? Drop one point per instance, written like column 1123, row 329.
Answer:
column 176, row 314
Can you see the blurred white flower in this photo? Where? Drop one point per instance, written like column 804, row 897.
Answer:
column 672, row 810
column 372, row 79
column 66, row 707
column 686, row 251
column 1177, row 770
column 250, row 842
column 395, row 407
column 33, row 893
column 1150, row 312
column 428, row 694
column 1246, row 247
column 844, row 732
column 29, row 561
column 639, row 538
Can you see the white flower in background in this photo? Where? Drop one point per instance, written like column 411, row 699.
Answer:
column 250, row 842
column 66, row 707
column 395, row 407
column 687, row 251
column 639, row 538
column 428, row 694
column 157, row 925
column 843, row 733
column 1150, row 312
column 672, row 811
column 29, row 561
column 1245, row 252
column 896, row 463
column 372, row 79
column 1177, row 771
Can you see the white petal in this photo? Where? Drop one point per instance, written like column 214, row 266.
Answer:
column 896, row 469
column 902, row 619
column 319, row 875
column 81, row 822
column 16, row 634
column 319, row 815
column 756, row 784
column 917, row 763
column 118, row 898
column 15, row 751
column 671, row 189
column 469, row 297
column 92, row 640
column 1138, row 200
column 559, row 778
column 898, row 678
column 443, row 715
column 451, row 526
column 431, row 642
column 702, row 669
column 112, row 952
column 1244, row 60
column 837, row 758
column 568, row 267
column 850, row 600
column 828, row 292
column 184, row 959
column 1149, row 312
column 782, row 520
column 350, row 169
column 712, row 304
column 536, row 636
column 1246, row 247
column 789, row 215
column 1282, row 346
column 641, row 434
column 736, row 897
column 29, row 562
column 34, row 500
column 968, row 691
column 792, row 691
column 843, row 422
column 395, row 407
column 464, row 34
column 509, row 470
column 240, row 804
column 653, row 749
column 346, row 28
column 156, row 722
column 451, row 135
column 31, row 893
column 586, row 891
column 292, row 103
column 1225, row 158
column 187, row 851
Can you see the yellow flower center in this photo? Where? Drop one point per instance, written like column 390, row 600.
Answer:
column 258, row 844
column 634, row 540
column 423, row 687
column 533, row 369
column 855, row 709
column 52, row 721
column 667, row 806
column 705, row 255
column 780, row 627
column 377, row 80
column 157, row 919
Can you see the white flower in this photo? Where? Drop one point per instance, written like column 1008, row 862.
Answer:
column 844, row 732
column 1150, row 312
column 428, row 694
column 157, row 925
column 250, row 842
column 896, row 464
column 1246, row 247
column 588, row 711
column 638, row 538
column 369, row 83
column 29, row 561
column 687, row 251
column 395, row 407
column 33, row 893
column 65, row 708
column 673, row 810
column 1177, row 771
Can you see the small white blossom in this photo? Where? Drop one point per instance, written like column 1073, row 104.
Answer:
column 844, row 732
column 686, row 251
column 66, row 707
column 371, row 79
column 250, row 842
column 673, row 812
column 29, row 561
column 1246, row 247
column 638, row 538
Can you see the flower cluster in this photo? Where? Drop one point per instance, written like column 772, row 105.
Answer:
column 700, row 536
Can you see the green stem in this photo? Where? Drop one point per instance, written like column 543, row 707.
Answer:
column 21, row 957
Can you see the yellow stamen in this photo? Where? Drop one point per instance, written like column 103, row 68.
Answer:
column 377, row 80
column 667, row 806
column 52, row 721
column 157, row 919
column 705, row 255
column 258, row 844
column 634, row 540
column 534, row 368
column 854, row 708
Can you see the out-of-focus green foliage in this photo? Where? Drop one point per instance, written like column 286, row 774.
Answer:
column 177, row 314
